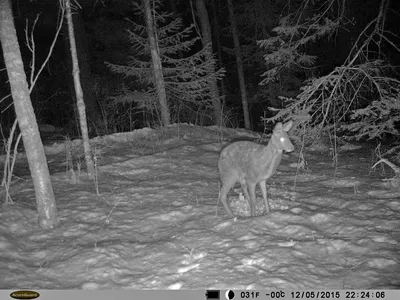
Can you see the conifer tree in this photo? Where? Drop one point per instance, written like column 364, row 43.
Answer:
column 359, row 98
column 187, row 74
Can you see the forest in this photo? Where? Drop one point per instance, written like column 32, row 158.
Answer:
column 331, row 60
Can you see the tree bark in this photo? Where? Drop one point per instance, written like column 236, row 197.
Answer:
column 45, row 200
column 157, row 67
column 207, row 40
column 239, row 64
column 79, row 93
column 93, row 112
column 217, row 31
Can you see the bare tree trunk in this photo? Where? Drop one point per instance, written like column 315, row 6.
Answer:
column 157, row 67
column 45, row 200
column 174, row 9
column 207, row 40
column 93, row 112
column 79, row 94
column 239, row 64
column 218, row 44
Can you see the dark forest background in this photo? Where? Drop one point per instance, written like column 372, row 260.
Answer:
column 101, row 33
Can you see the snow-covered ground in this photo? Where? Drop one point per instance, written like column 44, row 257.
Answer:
column 154, row 225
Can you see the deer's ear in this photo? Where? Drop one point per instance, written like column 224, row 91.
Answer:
column 287, row 126
column 278, row 127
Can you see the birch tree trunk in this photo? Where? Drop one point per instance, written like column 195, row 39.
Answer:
column 239, row 64
column 157, row 67
column 207, row 40
column 45, row 200
column 79, row 94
